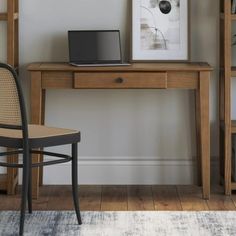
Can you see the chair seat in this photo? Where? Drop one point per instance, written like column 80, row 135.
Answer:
column 39, row 136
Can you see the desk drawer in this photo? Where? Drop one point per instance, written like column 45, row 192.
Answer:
column 116, row 80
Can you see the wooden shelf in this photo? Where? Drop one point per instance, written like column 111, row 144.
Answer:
column 233, row 16
column 225, row 103
column 233, row 71
column 233, row 185
column 233, row 127
column 3, row 16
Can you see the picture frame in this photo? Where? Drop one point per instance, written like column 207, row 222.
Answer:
column 163, row 40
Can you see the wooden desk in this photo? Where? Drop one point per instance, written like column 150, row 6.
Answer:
column 193, row 76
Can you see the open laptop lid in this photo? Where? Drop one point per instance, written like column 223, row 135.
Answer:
column 95, row 46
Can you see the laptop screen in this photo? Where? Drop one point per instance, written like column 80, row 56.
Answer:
column 94, row 47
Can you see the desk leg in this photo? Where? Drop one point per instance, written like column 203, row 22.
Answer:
column 198, row 140
column 204, row 86
column 42, row 123
column 37, row 113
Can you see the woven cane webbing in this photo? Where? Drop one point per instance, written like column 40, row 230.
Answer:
column 10, row 113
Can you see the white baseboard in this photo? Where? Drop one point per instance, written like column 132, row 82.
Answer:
column 127, row 171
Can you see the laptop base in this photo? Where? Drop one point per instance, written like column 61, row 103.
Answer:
column 99, row 65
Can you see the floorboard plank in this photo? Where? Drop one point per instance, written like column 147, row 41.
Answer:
column 10, row 203
column 140, row 198
column 191, row 198
column 114, row 198
column 122, row 198
column 60, row 198
column 90, row 198
column 220, row 202
column 166, row 198
column 233, row 197
column 41, row 204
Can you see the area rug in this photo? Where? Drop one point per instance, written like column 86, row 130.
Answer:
column 122, row 224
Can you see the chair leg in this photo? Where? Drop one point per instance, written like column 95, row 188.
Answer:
column 25, row 182
column 75, row 181
column 30, row 185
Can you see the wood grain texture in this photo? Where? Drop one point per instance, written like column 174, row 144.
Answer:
column 90, row 198
column 233, row 127
column 233, row 185
column 46, row 194
column 233, row 17
column 227, row 95
column 233, row 197
column 183, row 79
column 140, row 198
column 57, row 80
column 122, row 80
column 10, row 202
column 135, row 76
column 233, row 71
column 204, row 89
column 191, row 198
column 114, row 198
column 170, row 198
column 37, row 99
column 221, row 115
column 198, row 137
column 3, row 16
column 166, row 198
column 16, row 34
column 138, row 67
column 220, row 202
column 221, row 93
column 10, row 32
column 60, row 198
column 3, row 182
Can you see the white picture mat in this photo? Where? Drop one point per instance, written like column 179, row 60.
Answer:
column 139, row 54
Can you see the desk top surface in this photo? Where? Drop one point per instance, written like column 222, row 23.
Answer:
column 139, row 67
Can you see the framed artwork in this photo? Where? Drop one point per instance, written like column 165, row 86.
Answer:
column 160, row 30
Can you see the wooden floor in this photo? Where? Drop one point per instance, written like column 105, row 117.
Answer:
column 123, row 198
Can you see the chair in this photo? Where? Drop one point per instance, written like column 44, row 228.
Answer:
column 15, row 133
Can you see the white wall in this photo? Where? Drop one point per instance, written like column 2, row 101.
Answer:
column 145, row 136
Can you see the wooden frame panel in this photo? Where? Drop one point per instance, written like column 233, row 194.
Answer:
column 118, row 80
column 225, row 93
column 184, row 80
column 10, row 180
column 57, row 80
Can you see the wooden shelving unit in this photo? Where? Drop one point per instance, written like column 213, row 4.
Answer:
column 9, row 181
column 227, row 72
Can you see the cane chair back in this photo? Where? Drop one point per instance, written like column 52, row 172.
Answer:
column 10, row 113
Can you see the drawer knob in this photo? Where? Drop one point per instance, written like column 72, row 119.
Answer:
column 119, row 80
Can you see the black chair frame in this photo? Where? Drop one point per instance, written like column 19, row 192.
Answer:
column 26, row 150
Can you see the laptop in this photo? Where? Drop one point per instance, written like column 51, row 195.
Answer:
column 95, row 48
